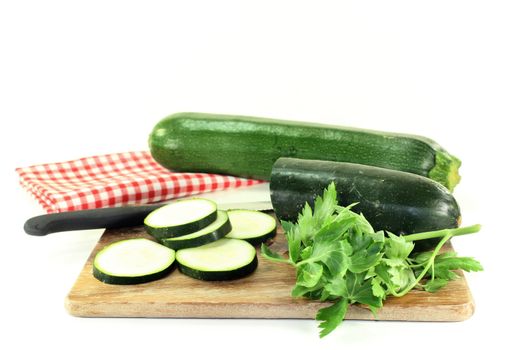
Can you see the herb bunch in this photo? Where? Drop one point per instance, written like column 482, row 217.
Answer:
column 339, row 258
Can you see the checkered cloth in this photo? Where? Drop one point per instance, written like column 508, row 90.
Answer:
column 115, row 180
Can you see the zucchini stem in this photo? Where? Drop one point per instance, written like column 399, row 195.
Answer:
column 442, row 233
column 446, row 170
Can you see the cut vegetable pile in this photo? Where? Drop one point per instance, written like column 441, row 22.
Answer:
column 208, row 244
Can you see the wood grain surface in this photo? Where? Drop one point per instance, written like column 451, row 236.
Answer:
column 263, row 294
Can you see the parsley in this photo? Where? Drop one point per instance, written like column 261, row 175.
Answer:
column 339, row 258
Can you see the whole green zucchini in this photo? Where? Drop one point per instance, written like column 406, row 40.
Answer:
column 399, row 202
column 248, row 146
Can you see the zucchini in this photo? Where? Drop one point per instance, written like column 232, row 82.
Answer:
column 248, row 146
column 216, row 230
column 253, row 226
column 180, row 218
column 222, row 260
column 391, row 200
column 132, row 261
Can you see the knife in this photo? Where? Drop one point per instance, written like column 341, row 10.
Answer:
column 43, row 225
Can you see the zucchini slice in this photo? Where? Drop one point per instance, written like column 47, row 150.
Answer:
column 222, row 260
column 216, row 230
column 253, row 226
column 133, row 261
column 180, row 218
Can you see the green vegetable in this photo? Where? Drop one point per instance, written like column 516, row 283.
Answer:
column 248, row 146
column 181, row 217
column 222, row 260
column 391, row 200
column 339, row 257
column 211, row 233
column 253, row 226
column 132, row 261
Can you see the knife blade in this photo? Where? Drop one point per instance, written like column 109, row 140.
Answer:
column 129, row 216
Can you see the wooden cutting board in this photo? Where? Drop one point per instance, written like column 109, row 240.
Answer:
column 264, row 294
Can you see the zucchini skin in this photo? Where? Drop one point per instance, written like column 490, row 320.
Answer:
column 161, row 233
column 198, row 241
column 220, row 275
column 126, row 280
column 256, row 241
column 248, row 146
column 395, row 201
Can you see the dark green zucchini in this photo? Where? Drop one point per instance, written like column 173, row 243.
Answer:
column 395, row 201
column 248, row 146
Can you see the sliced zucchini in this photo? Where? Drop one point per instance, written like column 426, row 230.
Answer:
column 253, row 226
column 180, row 218
column 222, row 260
column 132, row 261
column 216, row 230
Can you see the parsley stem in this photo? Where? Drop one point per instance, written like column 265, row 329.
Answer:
column 442, row 233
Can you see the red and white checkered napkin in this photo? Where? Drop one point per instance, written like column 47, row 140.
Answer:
column 115, row 180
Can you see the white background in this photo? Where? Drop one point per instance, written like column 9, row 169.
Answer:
column 93, row 77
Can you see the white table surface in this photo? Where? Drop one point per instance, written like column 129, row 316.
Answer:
column 93, row 78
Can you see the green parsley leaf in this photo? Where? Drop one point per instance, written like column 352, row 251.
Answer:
column 457, row 263
column 360, row 290
column 314, row 292
column 336, row 229
column 309, row 274
column 306, row 253
column 332, row 316
column 444, row 265
column 367, row 250
column 306, row 225
column 287, row 225
column 377, row 288
column 325, row 206
column 271, row 255
column 294, row 243
column 355, row 288
column 400, row 277
column 434, row 285
column 397, row 248
column 337, row 287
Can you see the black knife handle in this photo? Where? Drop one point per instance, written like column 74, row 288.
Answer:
column 88, row 219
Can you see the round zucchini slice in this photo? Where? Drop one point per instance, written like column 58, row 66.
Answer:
column 222, row 260
column 180, row 218
column 216, row 230
column 133, row 261
column 253, row 226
